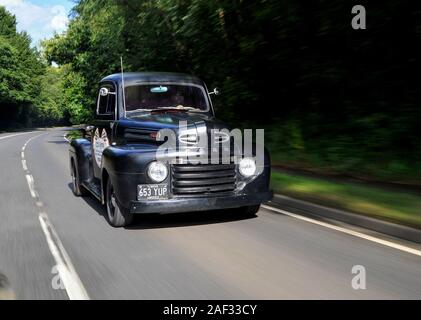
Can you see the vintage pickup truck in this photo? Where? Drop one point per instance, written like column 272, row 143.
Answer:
column 118, row 160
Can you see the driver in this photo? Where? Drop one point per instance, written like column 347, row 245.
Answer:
column 178, row 99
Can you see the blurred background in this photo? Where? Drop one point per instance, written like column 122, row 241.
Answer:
column 340, row 107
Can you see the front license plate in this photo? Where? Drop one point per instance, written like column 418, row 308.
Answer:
column 152, row 192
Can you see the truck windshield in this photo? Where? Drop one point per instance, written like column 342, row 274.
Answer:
column 156, row 97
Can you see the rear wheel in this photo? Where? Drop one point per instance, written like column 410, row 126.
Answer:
column 78, row 189
column 116, row 216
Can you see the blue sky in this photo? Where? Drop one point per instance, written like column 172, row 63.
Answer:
column 40, row 18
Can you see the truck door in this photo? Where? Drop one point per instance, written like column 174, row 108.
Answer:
column 102, row 126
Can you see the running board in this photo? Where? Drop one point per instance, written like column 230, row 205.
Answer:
column 93, row 188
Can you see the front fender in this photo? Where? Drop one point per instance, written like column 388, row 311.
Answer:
column 81, row 152
column 126, row 167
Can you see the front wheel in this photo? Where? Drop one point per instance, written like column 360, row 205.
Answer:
column 250, row 211
column 116, row 216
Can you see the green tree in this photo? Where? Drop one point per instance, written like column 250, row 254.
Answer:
column 20, row 71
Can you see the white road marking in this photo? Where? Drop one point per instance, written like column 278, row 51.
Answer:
column 347, row 231
column 68, row 275
column 31, row 186
column 24, row 166
column 14, row 135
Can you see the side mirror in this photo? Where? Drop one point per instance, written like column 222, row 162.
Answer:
column 215, row 92
column 103, row 92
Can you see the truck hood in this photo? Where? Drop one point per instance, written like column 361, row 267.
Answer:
column 139, row 129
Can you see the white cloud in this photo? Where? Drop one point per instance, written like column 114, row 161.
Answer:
column 39, row 21
column 60, row 20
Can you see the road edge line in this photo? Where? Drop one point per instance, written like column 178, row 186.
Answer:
column 347, row 231
column 15, row 135
column 367, row 222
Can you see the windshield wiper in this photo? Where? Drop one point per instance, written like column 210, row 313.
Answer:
column 165, row 109
column 176, row 108
column 138, row 110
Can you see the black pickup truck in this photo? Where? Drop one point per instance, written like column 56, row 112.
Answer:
column 122, row 162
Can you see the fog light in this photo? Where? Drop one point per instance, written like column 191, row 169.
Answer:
column 158, row 171
column 247, row 167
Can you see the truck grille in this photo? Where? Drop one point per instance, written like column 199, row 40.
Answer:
column 203, row 179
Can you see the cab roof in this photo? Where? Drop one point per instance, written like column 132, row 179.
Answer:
column 131, row 78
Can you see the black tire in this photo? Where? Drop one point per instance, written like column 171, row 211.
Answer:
column 117, row 216
column 250, row 211
column 78, row 189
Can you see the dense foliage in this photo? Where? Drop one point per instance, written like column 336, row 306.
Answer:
column 19, row 69
column 29, row 93
column 329, row 96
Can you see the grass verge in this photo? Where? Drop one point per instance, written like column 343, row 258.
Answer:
column 398, row 207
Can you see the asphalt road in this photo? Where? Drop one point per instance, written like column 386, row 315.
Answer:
column 188, row 256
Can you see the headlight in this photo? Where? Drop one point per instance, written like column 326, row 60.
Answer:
column 157, row 171
column 247, row 167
